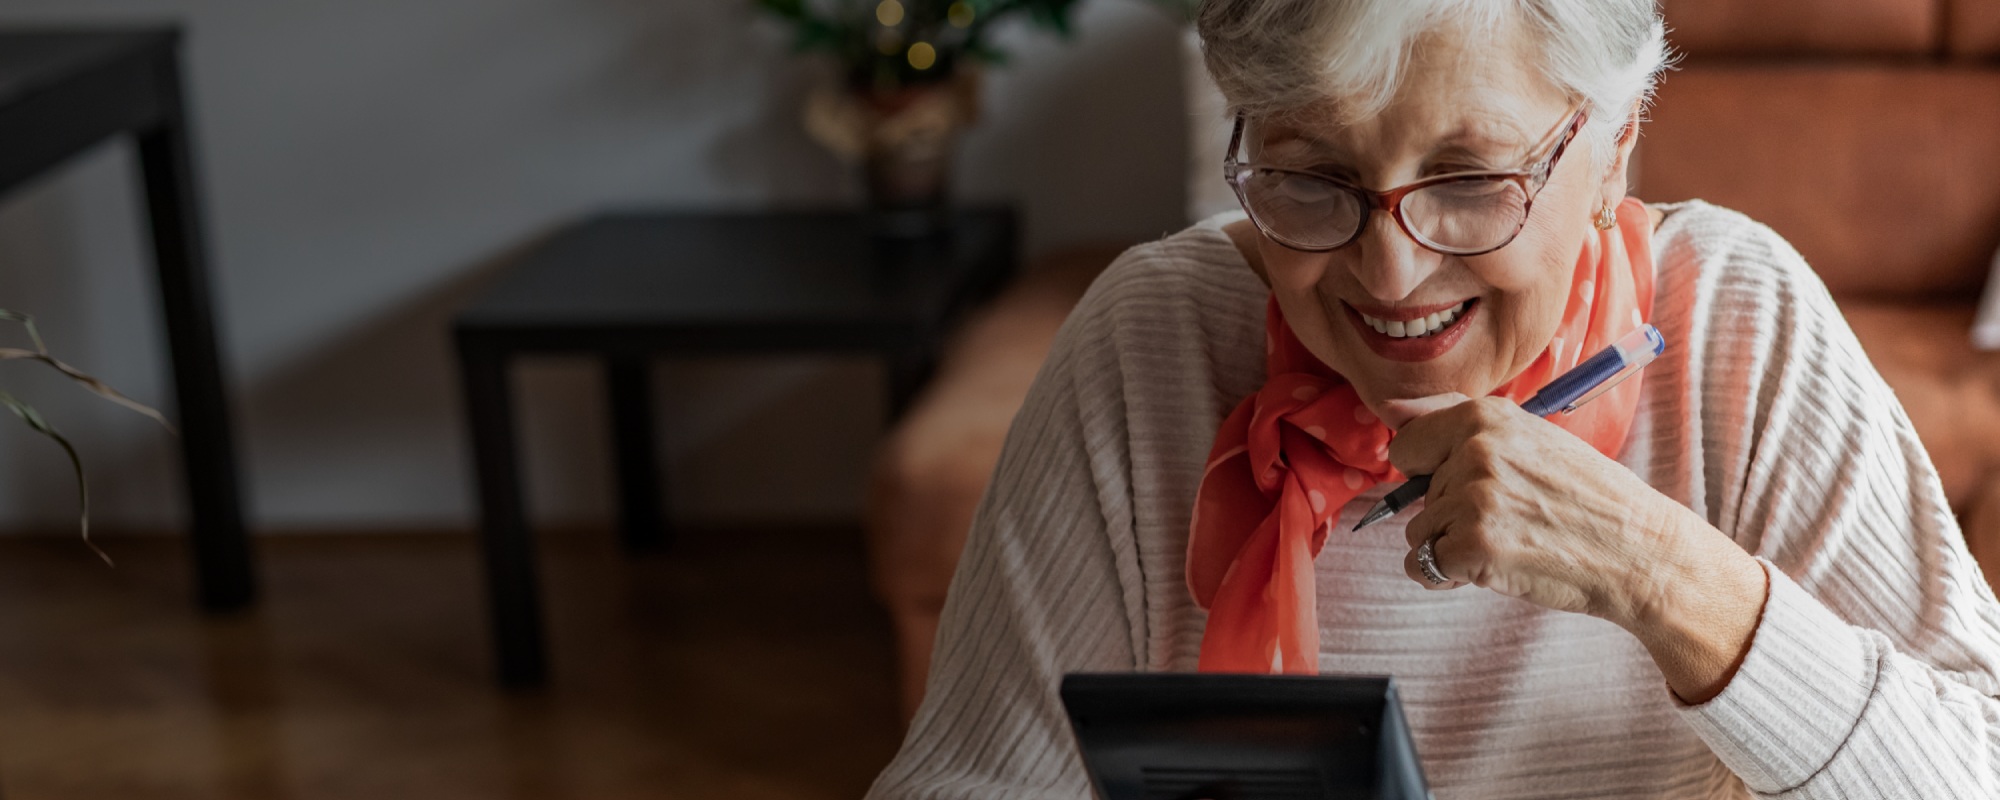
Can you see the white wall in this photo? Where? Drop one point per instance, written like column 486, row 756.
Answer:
column 367, row 162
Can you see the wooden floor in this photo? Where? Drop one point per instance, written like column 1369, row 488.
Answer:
column 737, row 665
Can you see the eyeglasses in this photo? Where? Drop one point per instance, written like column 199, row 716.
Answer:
column 1459, row 213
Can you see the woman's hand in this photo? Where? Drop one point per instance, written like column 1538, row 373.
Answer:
column 1521, row 507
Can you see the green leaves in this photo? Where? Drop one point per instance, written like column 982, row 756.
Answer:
column 876, row 56
column 851, row 31
column 815, row 35
column 788, row 9
column 986, row 53
column 40, row 353
column 1051, row 14
column 811, row 31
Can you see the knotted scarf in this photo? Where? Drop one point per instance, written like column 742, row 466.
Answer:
column 1302, row 446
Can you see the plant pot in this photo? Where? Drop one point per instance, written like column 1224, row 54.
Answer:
column 903, row 141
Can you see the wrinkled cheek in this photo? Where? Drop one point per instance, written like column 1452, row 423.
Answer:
column 1297, row 283
column 1505, row 333
column 1296, row 277
column 1522, row 333
column 1310, row 320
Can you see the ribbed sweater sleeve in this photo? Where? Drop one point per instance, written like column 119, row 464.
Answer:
column 1874, row 668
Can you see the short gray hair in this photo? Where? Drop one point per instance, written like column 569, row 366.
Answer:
column 1272, row 57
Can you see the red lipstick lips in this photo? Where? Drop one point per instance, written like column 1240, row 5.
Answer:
column 1414, row 348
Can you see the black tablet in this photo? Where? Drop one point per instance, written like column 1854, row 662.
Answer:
column 1170, row 736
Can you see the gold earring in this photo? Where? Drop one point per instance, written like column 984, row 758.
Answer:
column 1607, row 217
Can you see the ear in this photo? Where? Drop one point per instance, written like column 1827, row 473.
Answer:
column 1618, row 169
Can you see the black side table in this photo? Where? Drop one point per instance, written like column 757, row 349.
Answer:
column 64, row 91
column 628, row 287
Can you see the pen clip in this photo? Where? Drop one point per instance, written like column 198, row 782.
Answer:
column 1608, row 384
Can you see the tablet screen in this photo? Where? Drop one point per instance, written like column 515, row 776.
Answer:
column 1171, row 736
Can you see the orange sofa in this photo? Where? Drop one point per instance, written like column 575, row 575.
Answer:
column 935, row 464
column 1865, row 131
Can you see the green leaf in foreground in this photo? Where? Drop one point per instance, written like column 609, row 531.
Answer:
column 35, row 421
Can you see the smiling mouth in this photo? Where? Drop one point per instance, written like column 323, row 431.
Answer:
column 1418, row 328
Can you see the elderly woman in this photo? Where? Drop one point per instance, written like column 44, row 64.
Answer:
column 1736, row 576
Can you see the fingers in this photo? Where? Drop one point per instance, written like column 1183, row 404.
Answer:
column 1425, row 441
column 1413, row 567
column 1432, row 525
column 1427, row 523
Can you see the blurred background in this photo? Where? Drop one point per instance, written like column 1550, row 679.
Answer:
column 365, row 169
column 366, row 163
column 414, row 211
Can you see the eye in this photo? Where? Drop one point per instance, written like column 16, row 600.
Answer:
column 1471, row 190
column 1304, row 190
column 1447, row 169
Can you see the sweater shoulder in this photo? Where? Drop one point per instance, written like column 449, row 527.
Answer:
column 1740, row 295
column 1195, row 271
column 1738, row 258
column 1166, row 311
column 1770, row 374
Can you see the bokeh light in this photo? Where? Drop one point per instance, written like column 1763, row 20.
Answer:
column 922, row 55
column 959, row 14
column 889, row 12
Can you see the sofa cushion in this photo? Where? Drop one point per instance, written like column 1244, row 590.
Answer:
column 1804, row 27
column 1887, row 178
column 934, row 467
column 1950, row 390
column 1952, row 394
column 937, row 460
column 1973, row 29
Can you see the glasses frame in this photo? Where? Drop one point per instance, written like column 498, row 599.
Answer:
column 1530, row 178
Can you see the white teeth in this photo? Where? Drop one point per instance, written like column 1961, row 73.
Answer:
column 1422, row 326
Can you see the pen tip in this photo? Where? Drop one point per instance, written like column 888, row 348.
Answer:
column 1373, row 516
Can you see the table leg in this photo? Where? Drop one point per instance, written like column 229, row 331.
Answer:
column 642, row 521
column 224, row 576
column 504, row 538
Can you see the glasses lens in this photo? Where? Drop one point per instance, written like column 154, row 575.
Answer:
column 1300, row 209
column 1466, row 216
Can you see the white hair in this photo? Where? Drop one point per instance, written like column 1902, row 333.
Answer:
column 1274, row 57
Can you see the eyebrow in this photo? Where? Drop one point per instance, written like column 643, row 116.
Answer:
column 1489, row 132
column 1491, row 142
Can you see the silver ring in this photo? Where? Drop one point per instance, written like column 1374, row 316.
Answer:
column 1427, row 561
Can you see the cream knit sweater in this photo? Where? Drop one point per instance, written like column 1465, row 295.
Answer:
column 1873, row 672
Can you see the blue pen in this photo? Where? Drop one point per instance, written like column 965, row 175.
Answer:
column 1595, row 376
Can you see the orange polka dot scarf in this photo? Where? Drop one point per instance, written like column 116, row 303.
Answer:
column 1287, row 459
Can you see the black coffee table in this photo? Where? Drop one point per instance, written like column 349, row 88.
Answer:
column 63, row 91
column 631, row 286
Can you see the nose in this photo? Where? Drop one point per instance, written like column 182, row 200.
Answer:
column 1388, row 263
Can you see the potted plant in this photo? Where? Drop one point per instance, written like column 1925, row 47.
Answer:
column 909, row 85
column 39, row 352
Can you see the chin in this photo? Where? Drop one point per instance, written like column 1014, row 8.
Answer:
column 1410, row 387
